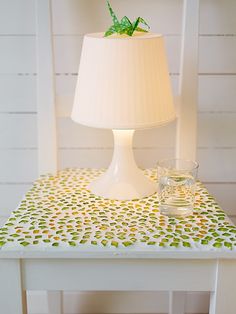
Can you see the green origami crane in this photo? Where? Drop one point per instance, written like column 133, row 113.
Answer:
column 125, row 26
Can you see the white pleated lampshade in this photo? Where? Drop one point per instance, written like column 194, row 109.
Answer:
column 123, row 82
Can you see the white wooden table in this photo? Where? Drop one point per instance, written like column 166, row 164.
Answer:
column 64, row 238
column 115, row 271
column 138, row 267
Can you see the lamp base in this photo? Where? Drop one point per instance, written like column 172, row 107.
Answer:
column 123, row 180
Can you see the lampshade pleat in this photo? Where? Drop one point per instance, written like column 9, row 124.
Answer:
column 123, row 83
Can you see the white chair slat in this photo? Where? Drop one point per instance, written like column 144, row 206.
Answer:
column 47, row 138
column 186, row 139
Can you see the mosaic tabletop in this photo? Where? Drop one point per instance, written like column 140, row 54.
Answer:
column 60, row 212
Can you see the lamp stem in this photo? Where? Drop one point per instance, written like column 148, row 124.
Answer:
column 123, row 158
column 123, row 180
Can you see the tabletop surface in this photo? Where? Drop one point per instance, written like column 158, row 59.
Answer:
column 60, row 216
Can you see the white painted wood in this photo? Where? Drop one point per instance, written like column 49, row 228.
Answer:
column 216, row 164
column 216, row 54
column 17, row 17
column 23, row 166
column 117, row 277
column 11, row 194
column 67, row 53
column 119, row 302
column 65, row 88
column 217, row 93
column 216, row 130
column 46, row 113
column 173, row 43
column 176, row 302
column 186, row 139
column 55, row 302
column 225, row 195
column 17, row 54
column 223, row 297
column 12, row 297
column 120, row 274
column 157, row 137
column 11, row 125
column 72, row 134
column 47, row 140
column 3, row 219
column 17, row 93
column 217, row 17
column 119, row 254
column 102, row 157
column 64, row 104
column 37, row 302
column 84, row 17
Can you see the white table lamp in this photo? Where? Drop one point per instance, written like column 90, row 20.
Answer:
column 123, row 85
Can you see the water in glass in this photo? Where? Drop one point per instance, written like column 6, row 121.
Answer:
column 176, row 191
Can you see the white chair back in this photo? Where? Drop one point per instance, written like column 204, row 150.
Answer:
column 186, row 100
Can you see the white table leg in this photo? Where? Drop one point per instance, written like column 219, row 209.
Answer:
column 223, row 299
column 55, row 302
column 176, row 302
column 12, row 296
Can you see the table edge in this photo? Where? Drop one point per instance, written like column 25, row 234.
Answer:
column 121, row 254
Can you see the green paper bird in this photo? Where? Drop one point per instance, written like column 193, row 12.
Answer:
column 125, row 26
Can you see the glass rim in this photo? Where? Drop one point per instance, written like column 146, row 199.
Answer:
column 161, row 163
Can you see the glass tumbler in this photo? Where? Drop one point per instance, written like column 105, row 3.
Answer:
column 176, row 182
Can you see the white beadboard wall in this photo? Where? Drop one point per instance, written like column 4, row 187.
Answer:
column 87, row 147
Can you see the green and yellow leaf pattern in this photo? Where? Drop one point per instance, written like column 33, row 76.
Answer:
column 60, row 212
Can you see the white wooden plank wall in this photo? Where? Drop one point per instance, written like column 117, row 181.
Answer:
column 86, row 147
column 79, row 145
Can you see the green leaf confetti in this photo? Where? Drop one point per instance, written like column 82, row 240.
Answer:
column 60, row 211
